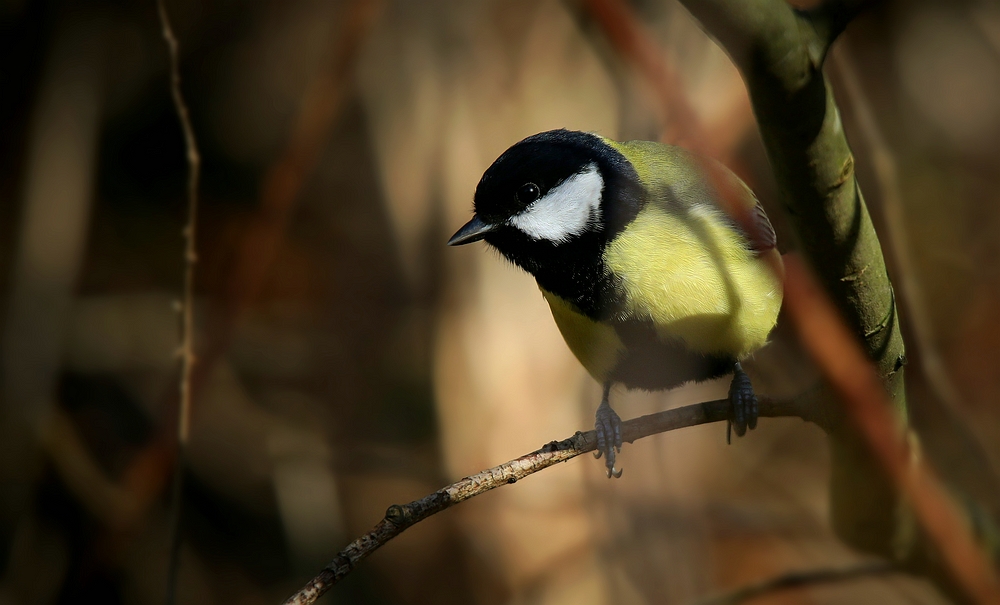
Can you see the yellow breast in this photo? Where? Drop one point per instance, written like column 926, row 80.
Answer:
column 595, row 344
column 693, row 276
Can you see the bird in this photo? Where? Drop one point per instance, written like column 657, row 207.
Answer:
column 651, row 283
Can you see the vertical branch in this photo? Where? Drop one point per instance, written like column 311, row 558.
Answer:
column 187, row 304
column 190, row 252
column 150, row 472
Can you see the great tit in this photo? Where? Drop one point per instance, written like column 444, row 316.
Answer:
column 649, row 280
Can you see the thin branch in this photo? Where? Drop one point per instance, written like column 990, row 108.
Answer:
column 190, row 251
column 399, row 517
column 187, row 305
column 149, row 472
column 798, row 579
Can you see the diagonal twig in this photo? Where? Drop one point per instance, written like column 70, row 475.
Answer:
column 400, row 517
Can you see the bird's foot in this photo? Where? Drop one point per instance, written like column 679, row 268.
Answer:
column 743, row 408
column 609, row 437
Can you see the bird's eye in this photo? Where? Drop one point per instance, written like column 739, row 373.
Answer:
column 528, row 193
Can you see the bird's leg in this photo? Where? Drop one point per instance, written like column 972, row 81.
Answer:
column 609, row 433
column 743, row 410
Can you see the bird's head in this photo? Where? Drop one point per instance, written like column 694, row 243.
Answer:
column 554, row 190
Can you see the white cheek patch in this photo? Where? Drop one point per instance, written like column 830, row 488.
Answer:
column 566, row 210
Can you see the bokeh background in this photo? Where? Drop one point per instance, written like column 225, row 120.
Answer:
column 347, row 360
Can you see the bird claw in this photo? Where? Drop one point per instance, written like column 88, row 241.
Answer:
column 608, row 426
column 743, row 406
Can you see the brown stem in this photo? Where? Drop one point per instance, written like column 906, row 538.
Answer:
column 187, row 305
column 190, row 251
column 399, row 517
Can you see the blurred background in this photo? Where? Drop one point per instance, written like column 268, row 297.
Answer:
column 347, row 360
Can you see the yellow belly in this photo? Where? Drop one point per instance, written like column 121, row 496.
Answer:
column 595, row 344
column 694, row 278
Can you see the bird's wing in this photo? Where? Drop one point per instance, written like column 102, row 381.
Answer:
column 763, row 238
column 754, row 225
column 687, row 179
column 677, row 176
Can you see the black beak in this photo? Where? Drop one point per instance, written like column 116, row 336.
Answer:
column 473, row 231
